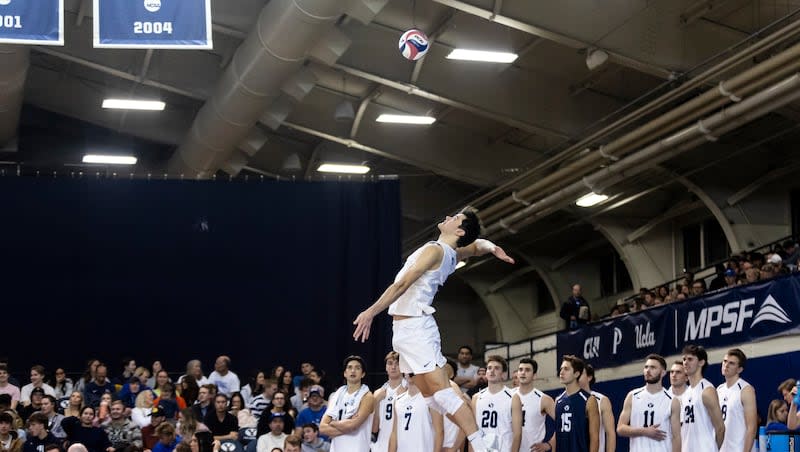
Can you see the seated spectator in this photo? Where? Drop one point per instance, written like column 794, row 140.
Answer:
column 83, row 431
column 53, row 418
column 222, row 424
column 316, row 409
column 262, row 401
column 172, row 404
column 161, row 379
column 680, row 297
column 203, row 442
column 292, row 443
column 75, row 404
column 253, row 387
column 130, row 391
column 88, row 375
column 188, row 424
column 103, row 411
column 149, row 435
column 143, row 374
column 768, row 271
column 121, row 431
column 279, row 405
column 188, row 389
column 140, row 414
column 312, row 441
column 204, row 405
column 128, row 368
column 238, row 409
column 9, row 439
column 7, row 388
column 777, row 415
column 195, row 369
column 752, row 275
column 698, row 288
column 99, row 386
column 226, row 380
column 575, row 310
column 34, row 403
column 275, row 436
column 63, row 386
column 38, row 436
column 167, row 439
column 37, row 381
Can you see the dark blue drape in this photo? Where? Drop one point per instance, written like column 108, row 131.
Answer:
column 266, row 272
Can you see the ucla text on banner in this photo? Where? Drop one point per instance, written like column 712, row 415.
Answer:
column 153, row 24
column 725, row 318
column 32, row 22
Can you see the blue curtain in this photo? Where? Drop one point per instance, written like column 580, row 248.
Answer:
column 267, row 272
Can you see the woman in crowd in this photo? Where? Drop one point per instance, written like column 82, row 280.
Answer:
column 75, row 404
column 88, row 375
column 285, row 382
column 156, row 369
column 140, row 415
column 254, row 387
column 188, row 389
column 188, row 424
column 171, row 403
column 103, row 412
column 242, row 414
column 161, row 379
column 777, row 413
column 83, row 431
column 61, row 384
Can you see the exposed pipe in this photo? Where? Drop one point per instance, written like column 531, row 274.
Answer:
column 275, row 49
column 743, row 84
column 14, row 63
column 688, row 138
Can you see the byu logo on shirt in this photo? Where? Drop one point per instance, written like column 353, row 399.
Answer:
column 152, row 5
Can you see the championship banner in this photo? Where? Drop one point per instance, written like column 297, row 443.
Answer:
column 152, row 24
column 32, row 22
column 725, row 318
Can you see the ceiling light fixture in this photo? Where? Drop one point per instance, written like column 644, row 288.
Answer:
column 343, row 168
column 406, row 119
column 132, row 104
column 482, row 55
column 592, row 199
column 110, row 159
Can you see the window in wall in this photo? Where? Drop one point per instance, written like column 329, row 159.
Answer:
column 614, row 277
column 544, row 301
column 691, row 247
column 715, row 244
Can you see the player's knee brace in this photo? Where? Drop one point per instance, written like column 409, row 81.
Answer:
column 448, row 400
column 435, row 406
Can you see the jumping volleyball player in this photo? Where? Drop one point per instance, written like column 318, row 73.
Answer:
column 415, row 333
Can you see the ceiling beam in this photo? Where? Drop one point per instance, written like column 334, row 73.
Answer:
column 413, row 90
column 362, row 108
column 698, row 9
column 510, row 278
column 312, row 159
column 760, row 181
column 117, row 73
column 676, row 211
column 577, row 252
column 559, row 38
column 437, row 31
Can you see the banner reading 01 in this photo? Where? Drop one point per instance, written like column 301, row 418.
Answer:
column 153, row 24
column 32, row 22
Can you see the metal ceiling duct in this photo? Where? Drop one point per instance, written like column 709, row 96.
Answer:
column 274, row 50
column 14, row 62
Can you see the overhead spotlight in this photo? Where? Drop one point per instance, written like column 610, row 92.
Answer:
column 344, row 112
column 591, row 199
column 595, row 58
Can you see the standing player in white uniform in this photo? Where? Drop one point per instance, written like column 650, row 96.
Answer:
column 608, row 433
column 737, row 400
column 650, row 416
column 415, row 333
column 383, row 420
column 348, row 420
column 703, row 429
column 492, row 406
column 532, row 412
column 417, row 428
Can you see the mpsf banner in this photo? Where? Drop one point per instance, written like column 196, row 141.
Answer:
column 153, row 24
column 725, row 318
column 32, row 22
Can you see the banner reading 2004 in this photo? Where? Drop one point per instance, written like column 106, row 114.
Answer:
column 153, row 24
column 32, row 22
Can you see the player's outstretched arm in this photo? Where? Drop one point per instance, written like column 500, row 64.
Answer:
column 481, row 247
column 430, row 258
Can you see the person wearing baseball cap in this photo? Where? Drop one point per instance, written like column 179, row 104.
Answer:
column 149, row 436
column 316, row 409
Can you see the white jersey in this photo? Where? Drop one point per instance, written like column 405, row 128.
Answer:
column 697, row 431
column 386, row 413
column 730, row 402
column 602, row 434
column 493, row 415
column 414, row 424
column 342, row 405
column 417, row 299
column 651, row 409
column 533, row 420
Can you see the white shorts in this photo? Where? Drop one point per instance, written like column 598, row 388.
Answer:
column 417, row 341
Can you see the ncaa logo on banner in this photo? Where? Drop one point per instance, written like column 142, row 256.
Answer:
column 152, row 5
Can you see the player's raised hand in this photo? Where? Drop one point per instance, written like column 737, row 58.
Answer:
column 363, row 324
column 501, row 254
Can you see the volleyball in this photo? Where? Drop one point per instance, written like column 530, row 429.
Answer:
column 413, row 44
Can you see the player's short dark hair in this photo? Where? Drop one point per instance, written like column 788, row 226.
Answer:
column 590, row 373
column 659, row 358
column 471, row 225
column 498, row 359
column 739, row 354
column 578, row 365
column 354, row 358
column 532, row 362
column 699, row 352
